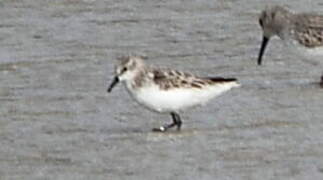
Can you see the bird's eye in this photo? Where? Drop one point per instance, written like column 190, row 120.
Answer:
column 261, row 23
column 124, row 69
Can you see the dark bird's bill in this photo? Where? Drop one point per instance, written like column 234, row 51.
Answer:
column 113, row 83
column 264, row 43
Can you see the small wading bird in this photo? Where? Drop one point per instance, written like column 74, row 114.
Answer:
column 166, row 90
column 302, row 32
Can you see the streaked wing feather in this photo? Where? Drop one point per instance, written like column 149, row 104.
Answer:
column 309, row 30
column 169, row 79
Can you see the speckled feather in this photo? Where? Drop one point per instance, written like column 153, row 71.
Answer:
column 304, row 28
column 309, row 30
column 168, row 79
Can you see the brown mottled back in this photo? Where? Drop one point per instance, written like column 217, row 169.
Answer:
column 309, row 30
column 169, row 79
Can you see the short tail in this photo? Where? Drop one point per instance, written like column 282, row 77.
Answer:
column 220, row 80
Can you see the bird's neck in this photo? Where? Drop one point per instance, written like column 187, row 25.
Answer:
column 138, row 80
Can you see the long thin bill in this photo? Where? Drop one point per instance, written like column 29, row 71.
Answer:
column 114, row 82
column 262, row 49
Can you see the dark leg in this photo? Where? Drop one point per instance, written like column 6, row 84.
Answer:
column 321, row 83
column 176, row 122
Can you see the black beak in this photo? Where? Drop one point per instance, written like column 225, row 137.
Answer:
column 114, row 82
column 262, row 49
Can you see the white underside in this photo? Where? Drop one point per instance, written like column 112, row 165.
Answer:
column 312, row 54
column 177, row 99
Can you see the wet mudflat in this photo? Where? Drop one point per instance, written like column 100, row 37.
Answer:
column 58, row 122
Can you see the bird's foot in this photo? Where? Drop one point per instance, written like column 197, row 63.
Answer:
column 160, row 129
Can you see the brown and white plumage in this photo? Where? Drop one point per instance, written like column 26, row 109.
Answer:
column 168, row 79
column 309, row 30
column 166, row 90
column 304, row 30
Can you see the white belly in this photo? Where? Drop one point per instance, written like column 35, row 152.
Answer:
column 176, row 99
column 311, row 54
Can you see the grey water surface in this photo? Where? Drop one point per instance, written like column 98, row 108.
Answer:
column 58, row 122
